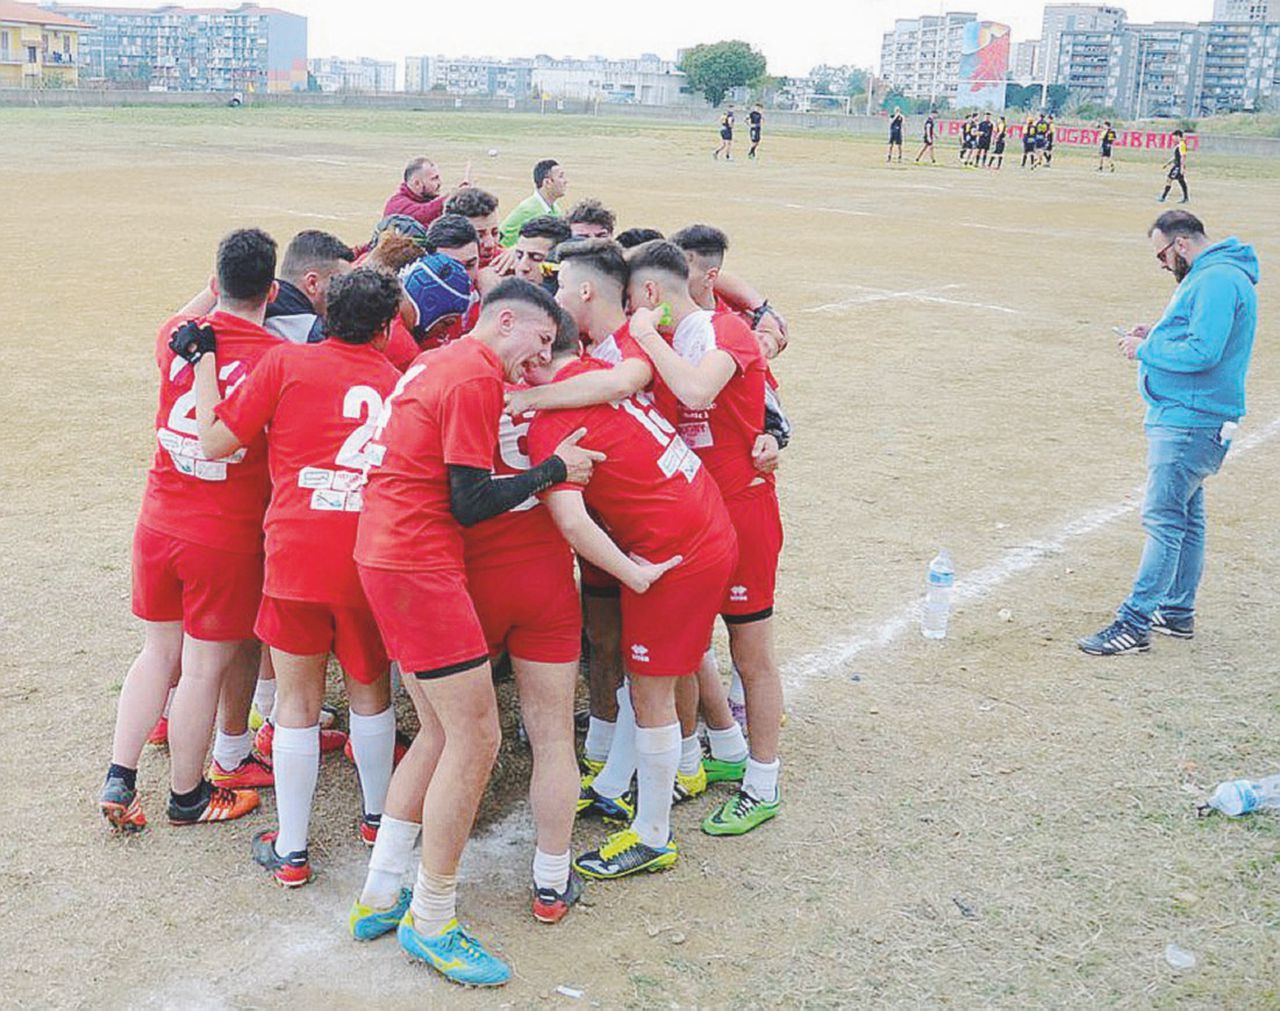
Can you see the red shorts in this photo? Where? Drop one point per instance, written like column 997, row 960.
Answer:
column 305, row 628
column 214, row 593
column 596, row 582
column 758, row 523
column 427, row 619
column 532, row 609
column 665, row 631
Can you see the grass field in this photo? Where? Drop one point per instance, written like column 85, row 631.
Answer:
column 990, row 820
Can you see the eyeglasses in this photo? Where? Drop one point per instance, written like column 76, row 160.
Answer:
column 1161, row 255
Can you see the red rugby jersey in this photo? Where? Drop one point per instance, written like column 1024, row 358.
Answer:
column 216, row 503
column 526, row 532
column 724, row 434
column 444, row 410
column 651, row 492
column 319, row 404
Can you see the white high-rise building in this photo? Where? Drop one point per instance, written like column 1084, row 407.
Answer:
column 361, row 75
column 921, row 56
column 1026, row 65
column 1059, row 18
column 1246, row 10
column 417, row 74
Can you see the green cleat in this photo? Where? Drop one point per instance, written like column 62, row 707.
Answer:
column 740, row 814
column 720, row 771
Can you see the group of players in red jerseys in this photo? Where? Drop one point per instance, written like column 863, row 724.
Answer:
column 322, row 487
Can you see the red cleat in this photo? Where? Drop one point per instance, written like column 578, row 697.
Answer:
column 330, row 740
column 402, row 748
column 254, row 773
column 159, row 736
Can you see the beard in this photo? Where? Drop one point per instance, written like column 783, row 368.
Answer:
column 1180, row 268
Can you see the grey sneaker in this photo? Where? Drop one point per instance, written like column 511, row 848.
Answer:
column 1176, row 628
column 1116, row 639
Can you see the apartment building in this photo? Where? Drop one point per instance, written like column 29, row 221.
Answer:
column 170, row 48
column 38, row 48
column 921, row 56
column 360, row 75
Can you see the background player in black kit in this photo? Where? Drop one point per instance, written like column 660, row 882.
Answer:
column 1108, row 138
column 997, row 152
column 726, row 135
column 930, row 128
column 895, row 135
column 985, row 129
column 1177, row 166
column 756, row 119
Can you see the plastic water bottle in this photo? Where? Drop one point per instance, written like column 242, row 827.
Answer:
column 1242, row 796
column 937, row 601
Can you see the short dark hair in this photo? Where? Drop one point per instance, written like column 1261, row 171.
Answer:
column 709, row 243
column 568, row 339
column 591, row 212
column 361, row 304
column 633, row 237
column 542, row 170
column 246, row 265
column 661, row 256
column 414, row 166
column 513, row 289
column 471, row 202
column 1173, row 224
column 313, row 250
column 450, row 231
column 1176, row 133
column 603, row 256
column 546, row 226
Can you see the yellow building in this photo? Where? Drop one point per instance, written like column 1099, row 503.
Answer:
column 38, row 49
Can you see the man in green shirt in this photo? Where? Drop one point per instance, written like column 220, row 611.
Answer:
column 549, row 185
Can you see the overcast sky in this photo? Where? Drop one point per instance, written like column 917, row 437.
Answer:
column 794, row 35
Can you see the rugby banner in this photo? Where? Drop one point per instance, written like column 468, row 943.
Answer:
column 1087, row 136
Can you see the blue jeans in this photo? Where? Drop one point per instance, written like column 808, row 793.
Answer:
column 1178, row 461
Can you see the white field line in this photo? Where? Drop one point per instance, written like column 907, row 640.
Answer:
column 302, row 214
column 975, row 586
column 871, row 296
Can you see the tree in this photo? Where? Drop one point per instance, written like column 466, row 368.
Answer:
column 894, row 98
column 1057, row 97
column 716, row 67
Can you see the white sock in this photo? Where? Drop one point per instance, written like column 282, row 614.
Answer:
column 264, row 697
column 168, row 702
column 690, row 755
column 435, row 901
column 550, row 871
column 657, row 757
column 727, row 745
column 737, row 694
column 761, row 780
column 295, row 757
column 615, row 778
column 599, row 737
column 230, row 751
column 390, row 860
column 373, row 745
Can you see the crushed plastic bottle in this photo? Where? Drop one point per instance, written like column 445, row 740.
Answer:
column 1239, row 797
column 937, row 600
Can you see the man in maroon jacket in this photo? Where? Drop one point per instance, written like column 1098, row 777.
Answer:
column 419, row 195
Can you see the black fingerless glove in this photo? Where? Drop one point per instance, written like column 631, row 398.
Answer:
column 192, row 341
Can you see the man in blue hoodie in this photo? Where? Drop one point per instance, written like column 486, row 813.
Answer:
column 1191, row 372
